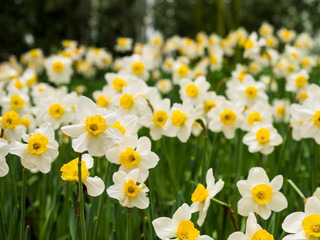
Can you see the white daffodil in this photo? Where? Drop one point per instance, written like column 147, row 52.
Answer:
column 259, row 195
column 298, row 81
column 281, row 110
column 263, row 137
column 259, row 112
column 127, row 190
column 12, row 127
column 134, row 153
column 178, row 227
column 4, row 150
column 59, row 69
column 304, row 225
column 180, row 71
column 226, row 117
column 210, row 101
column 247, row 92
column 18, row 102
column 69, row 172
column 164, row 86
column 103, row 97
column 193, row 91
column 127, row 125
column 118, row 81
column 157, row 120
column 201, row 197
column 40, row 151
column 123, row 44
column 182, row 117
column 252, row 46
column 93, row 131
column 253, row 231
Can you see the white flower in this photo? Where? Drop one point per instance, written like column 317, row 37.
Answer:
column 127, row 191
column 59, row 69
column 253, row 231
column 95, row 185
column 164, row 86
column 202, row 196
column 178, row 227
column 4, row 150
column 93, row 132
column 134, row 153
column 259, row 195
column 157, row 120
column 13, row 130
column 263, row 137
column 123, row 44
column 182, row 117
column 40, row 151
column 297, row 81
column 226, row 117
column 193, row 91
column 304, row 225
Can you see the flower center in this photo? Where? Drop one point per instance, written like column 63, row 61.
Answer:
column 263, row 135
column 241, row 76
column 200, row 193
column 137, row 68
column 192, row 90
column 126, row 101
column 10, row 119
column 102, row 101
column 122, row 41
column 305, row 62
column 95, row 125
column 34, row 53
column 183, row 71
column 160, row 118
column 129, row 158
column 208, row 105
column 25, row 122
column 311, row 225
column 280, row 111
column 56, row 110
column 248, row 44
column 178, row 118
column 262, row 193
column 131, row 189
column 254, row 117
column 213, row 59
column 57, row 67
column 38, row 144
column 119, row 127
column 70, row 170
column 303, row 96
column 251, row 92
column 300, row 81
column 118, row 84
column 228, row 117
column 187, row 231
column 262, row 235
column 18, row 84
column 16, row 102
column 316, row 119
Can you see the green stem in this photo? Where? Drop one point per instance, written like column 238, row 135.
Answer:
column 13, row 182
column 150, row 207
column 3, row 228
column 294, row 186
column 220, row 202
column 283, row 148
column 204, row 151
column 101, row 203
column 81, row 201
column 129, row 224
column 23, row 202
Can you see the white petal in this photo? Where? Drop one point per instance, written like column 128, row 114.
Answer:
column 143, row 145
column 88, row 160
column 95, row 186
column 276, row 183
column 183, row 213
column 278, row 202
column 292, row 223
column 263, row 211
column 312, row 206
column 164, row 228
column 73, row 131
column 237, row 236
column 246, row 205
column 258, row 175
column 244, row 188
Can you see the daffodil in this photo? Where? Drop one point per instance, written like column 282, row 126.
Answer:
column 4, row 150
column 263, row 137
column 11, row 125
column 259, row 195
column 59, row 69
column 193, row 91
column 253, row 231
column 133, row 153
column 178, row 227
column 129, row 190
column 201, row 197
column 93, row 132
column 69, row 172
column 40, row 149
column 304, row 225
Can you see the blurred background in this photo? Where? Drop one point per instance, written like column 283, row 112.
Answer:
column 27, row 24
